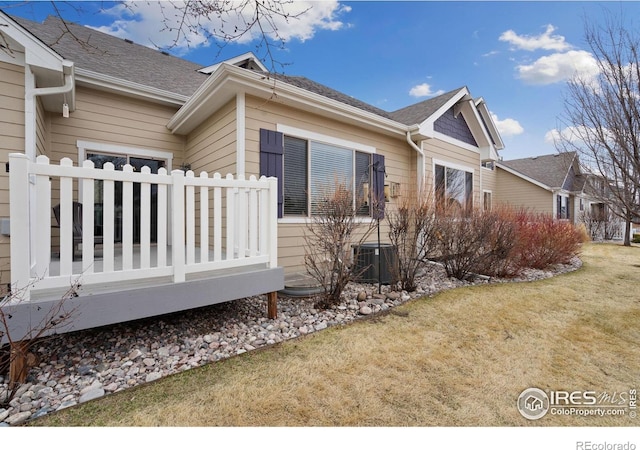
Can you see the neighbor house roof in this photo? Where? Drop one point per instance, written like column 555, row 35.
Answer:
column 549, row 170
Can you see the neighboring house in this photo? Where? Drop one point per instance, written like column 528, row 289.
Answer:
column 112, row 104
column 548, row 184
column 554, row 184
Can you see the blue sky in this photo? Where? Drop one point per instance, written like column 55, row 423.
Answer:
column 517, row 55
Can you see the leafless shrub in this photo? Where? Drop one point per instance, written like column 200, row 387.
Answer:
column 474, row 242
column 412, row 232
column 601, row 224
column 16, row 359
column 333, row 231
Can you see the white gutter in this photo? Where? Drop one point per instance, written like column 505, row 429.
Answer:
column 31, row 92
column 420, row 161
column 109, row 83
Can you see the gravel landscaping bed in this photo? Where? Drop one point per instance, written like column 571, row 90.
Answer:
column 81, row 366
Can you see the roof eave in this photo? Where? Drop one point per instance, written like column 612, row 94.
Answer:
column 104, row 82
column 37, row 54
column 227, row 80
column 426, row 127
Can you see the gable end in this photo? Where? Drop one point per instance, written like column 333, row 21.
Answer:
column 455, row 127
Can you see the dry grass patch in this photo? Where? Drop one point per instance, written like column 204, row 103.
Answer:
column 459, row 358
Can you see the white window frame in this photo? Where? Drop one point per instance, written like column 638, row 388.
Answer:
column 324, row 139
column 456, row 166
column 490, row 192
column 85, row 147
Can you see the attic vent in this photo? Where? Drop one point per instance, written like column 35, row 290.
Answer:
column 129, row 41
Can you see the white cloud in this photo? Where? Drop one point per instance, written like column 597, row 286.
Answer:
column 507, row 127
column 424, row 90
column 146, row 23
column 544, row 41
column 572, row 134
column 559, row 67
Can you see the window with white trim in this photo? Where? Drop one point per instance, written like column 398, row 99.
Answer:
column 454, row 188
column 562, row 206
column 486, row 200
column 312, row 170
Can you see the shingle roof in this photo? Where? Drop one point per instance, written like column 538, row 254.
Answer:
column 105, row 54
column 419, row 112
column 325, row 91
column 550, row 170
column 102, row 53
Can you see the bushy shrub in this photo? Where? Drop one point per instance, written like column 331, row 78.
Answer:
column 412, row 226
column 503, row 242
column 475, row 242
column 543, row 241
column 331, row 234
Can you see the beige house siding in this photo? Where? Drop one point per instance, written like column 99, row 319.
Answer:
column 12, row 132
column 112, row 119
column 43, row 125
column 447, row 152
column 515, row 191
column 488, row 182
column 399, row 158
column 212, row 145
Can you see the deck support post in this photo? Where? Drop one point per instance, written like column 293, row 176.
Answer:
column 272, row 305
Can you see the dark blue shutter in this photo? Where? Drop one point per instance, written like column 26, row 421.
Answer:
column 377, row 181
column 271, row 151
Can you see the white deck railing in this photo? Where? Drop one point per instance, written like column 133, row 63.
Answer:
column 236, row 218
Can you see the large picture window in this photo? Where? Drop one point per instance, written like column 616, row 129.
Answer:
column 313, row 169
column 454, row 188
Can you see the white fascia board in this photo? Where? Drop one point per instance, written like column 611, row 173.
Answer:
column 233, row 61
column 481, row 105
column 13, row 52
column 129, row 88
column 230, row 79
column 523, row 176
column 37, row 54
column 426, row 127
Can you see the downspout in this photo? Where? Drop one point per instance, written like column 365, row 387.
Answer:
column 420, row 159
column 30, row 106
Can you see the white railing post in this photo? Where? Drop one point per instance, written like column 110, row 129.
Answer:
column 231, row 222
column 67, row 245
column 177, row 225
column 190, row 218
column 273, row 222
column 127, row 219
column 204, row 220
column 42, row 250
column 19, row 210
column 88, row 225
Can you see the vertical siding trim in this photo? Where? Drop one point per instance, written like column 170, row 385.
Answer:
column 240, row 133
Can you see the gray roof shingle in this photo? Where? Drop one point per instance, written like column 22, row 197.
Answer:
column 550, row 170
column 419, row 112
column 105, row 54
column 102, row 53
